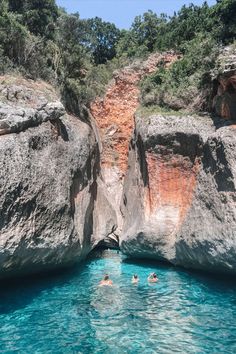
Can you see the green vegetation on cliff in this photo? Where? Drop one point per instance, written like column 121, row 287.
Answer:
column 40, row 40
column 198, row 34
column 186, row 84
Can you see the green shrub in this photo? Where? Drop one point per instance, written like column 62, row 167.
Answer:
column 182, row 85
column 79, row 56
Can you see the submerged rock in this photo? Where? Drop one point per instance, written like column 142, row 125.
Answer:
column 48, row 189
column 179, row 200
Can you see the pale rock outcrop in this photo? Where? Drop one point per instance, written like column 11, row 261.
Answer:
column 179, row 200
column 48, row 186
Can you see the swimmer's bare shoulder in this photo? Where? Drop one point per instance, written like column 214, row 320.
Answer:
column 106, row 281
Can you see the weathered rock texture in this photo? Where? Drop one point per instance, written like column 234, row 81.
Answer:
column 114, row 117
column 66, row 185
column 179, row 200
column 48, row 188
column 224, row 95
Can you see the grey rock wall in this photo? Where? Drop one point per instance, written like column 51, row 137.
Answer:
column 48, row 167
column 179, row 200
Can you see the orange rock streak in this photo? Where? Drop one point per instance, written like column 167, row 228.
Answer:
column 114, row 113
column 171, row 183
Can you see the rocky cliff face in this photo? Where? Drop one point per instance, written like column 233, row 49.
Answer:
column 48, row 189
column 67, row 185
column 179, row 199
column 114, row 116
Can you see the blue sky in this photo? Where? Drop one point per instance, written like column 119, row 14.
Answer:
column 122, row 12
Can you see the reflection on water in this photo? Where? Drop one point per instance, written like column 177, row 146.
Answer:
column 69, row 313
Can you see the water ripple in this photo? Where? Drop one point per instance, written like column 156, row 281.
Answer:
column 68, row 312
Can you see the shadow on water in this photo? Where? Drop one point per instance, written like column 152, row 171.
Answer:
column 209, row 279
column 16, row 293
column 146, row 262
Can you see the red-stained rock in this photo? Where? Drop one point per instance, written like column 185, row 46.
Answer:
column 178, row 196
column 171, row 182
column 179, row 200
column 114, row 116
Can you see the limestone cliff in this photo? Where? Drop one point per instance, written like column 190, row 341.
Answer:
column 48, row 180
column 114, row 116
column 67, row 185
column 177, row 199
column 179, row 195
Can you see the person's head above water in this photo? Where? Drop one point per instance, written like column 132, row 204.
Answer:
column 106, row 281
column 153, row 278
column 135, row 279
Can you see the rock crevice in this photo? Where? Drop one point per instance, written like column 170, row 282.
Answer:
column 68, row 185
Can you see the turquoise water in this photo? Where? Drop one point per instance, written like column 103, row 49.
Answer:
column 68, row 313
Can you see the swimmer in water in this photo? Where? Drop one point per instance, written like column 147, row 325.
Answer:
column 153, row 278
column 106, row 281
column 135, row 279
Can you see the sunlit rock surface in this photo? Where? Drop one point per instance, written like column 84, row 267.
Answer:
column 179, row 200
column 48, row 189
column 114, row 116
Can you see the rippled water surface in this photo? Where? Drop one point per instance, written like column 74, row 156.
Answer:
column 68, row 313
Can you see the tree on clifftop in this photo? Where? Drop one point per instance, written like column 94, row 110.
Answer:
column 3, row 7
column 16, row 5
column 38, row 15
column 142, row 37
column 225, row 14
column 102, row 39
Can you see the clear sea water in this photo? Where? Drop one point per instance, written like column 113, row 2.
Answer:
column 68, row 313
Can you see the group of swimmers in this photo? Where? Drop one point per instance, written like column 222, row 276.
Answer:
column 152, row 278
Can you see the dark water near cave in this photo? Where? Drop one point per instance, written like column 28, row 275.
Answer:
column 68, row 313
